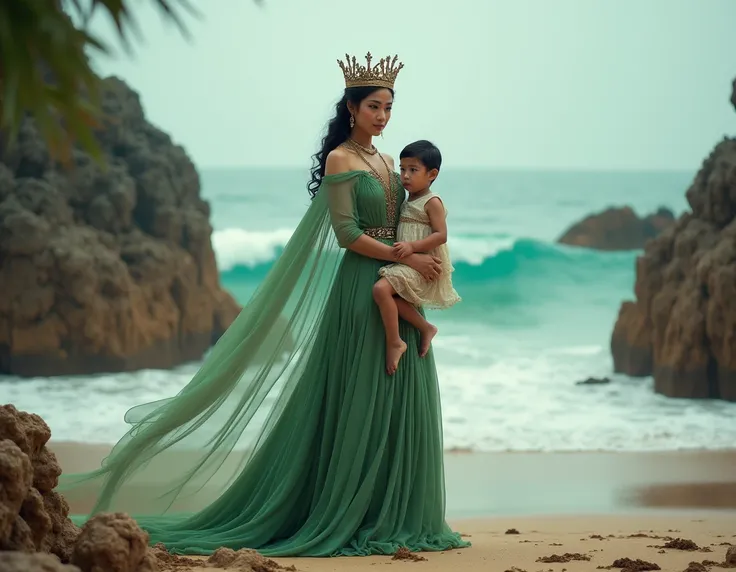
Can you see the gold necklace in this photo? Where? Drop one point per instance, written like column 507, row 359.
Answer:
column 370, row 151
column 374, row 171
column 388, row 187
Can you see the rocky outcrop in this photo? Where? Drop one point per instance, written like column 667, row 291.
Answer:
column 682, row 326
column 617, row 229
column 36, row 534
column 106, row 267
column 33, row 517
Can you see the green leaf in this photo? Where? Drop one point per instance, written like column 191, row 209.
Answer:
column 40, row 41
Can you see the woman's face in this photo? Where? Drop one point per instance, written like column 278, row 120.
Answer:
column 374, row 112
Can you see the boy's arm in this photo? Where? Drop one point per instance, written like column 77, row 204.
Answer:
column 436, row 212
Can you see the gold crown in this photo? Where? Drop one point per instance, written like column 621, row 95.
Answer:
column 382, row 75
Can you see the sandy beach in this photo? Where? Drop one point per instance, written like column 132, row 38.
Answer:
column 569, row 543
column 572, row 511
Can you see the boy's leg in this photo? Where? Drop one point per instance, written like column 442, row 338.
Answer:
column 409, row 313
column 383, row 294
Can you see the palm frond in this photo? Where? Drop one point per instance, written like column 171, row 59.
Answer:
column 45, row 69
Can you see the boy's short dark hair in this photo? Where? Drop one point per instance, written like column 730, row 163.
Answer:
column 425, row 152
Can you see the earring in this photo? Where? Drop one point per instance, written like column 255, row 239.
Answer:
column 352, row 122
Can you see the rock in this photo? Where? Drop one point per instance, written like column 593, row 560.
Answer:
column 33, row 517
column 594, row 381
column 113, row 542
column 36, row 533
column 16, row 476
column 733, row 93
column 106, row 268
column 731, row 556
column 680, row 328
column 617, row 229
column 244, row 560
column 36, row 562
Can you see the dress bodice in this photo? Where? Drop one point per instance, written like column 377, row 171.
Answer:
column 373, row 207
column 359, row 204
column 412, row 211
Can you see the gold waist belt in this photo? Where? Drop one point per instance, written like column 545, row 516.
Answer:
column 385, row 232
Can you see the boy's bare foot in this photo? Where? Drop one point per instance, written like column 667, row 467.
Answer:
column 393, row 355
column 426, row 339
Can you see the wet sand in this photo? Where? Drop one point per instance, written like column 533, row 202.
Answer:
column 481, row 485
column 493, row 484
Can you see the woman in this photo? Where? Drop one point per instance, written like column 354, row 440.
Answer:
column 349, row 459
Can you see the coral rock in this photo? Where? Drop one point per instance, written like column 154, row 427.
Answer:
column 113, row 542
column 16, row 476
column 106, row 268
column 33, row 517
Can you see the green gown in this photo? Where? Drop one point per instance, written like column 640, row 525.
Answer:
column 347, row 460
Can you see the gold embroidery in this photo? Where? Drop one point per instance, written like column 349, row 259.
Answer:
column 391, row 196
column 412, row 220
column 386, row 232
column 388, row 186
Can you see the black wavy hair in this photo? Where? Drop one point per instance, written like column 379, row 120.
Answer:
column 338, row 131
column 425, row 152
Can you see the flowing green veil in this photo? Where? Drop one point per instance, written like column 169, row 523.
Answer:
column 181, row 453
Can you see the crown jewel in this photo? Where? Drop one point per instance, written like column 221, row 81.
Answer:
column 382, row 74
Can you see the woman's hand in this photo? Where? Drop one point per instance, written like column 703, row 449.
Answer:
column 428, row 266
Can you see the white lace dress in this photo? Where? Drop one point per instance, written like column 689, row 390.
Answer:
column 408, row 283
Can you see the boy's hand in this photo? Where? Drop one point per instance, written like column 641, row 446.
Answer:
column 402, row 250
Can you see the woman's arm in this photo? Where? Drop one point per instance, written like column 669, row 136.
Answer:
column 342, row 212
column 372, row 248
column 345, row 222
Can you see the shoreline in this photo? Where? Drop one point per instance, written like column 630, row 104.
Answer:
column 488, row 485
column 469, row 451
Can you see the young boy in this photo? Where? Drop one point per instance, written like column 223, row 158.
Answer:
column 422, row 228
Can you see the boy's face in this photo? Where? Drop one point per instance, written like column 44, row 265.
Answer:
column 415, row 177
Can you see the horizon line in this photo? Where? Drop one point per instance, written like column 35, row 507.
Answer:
column 600, row 169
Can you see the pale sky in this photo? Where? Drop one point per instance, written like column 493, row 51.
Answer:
column 581, row 84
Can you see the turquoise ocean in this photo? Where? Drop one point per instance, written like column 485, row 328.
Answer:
column 535, row 318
